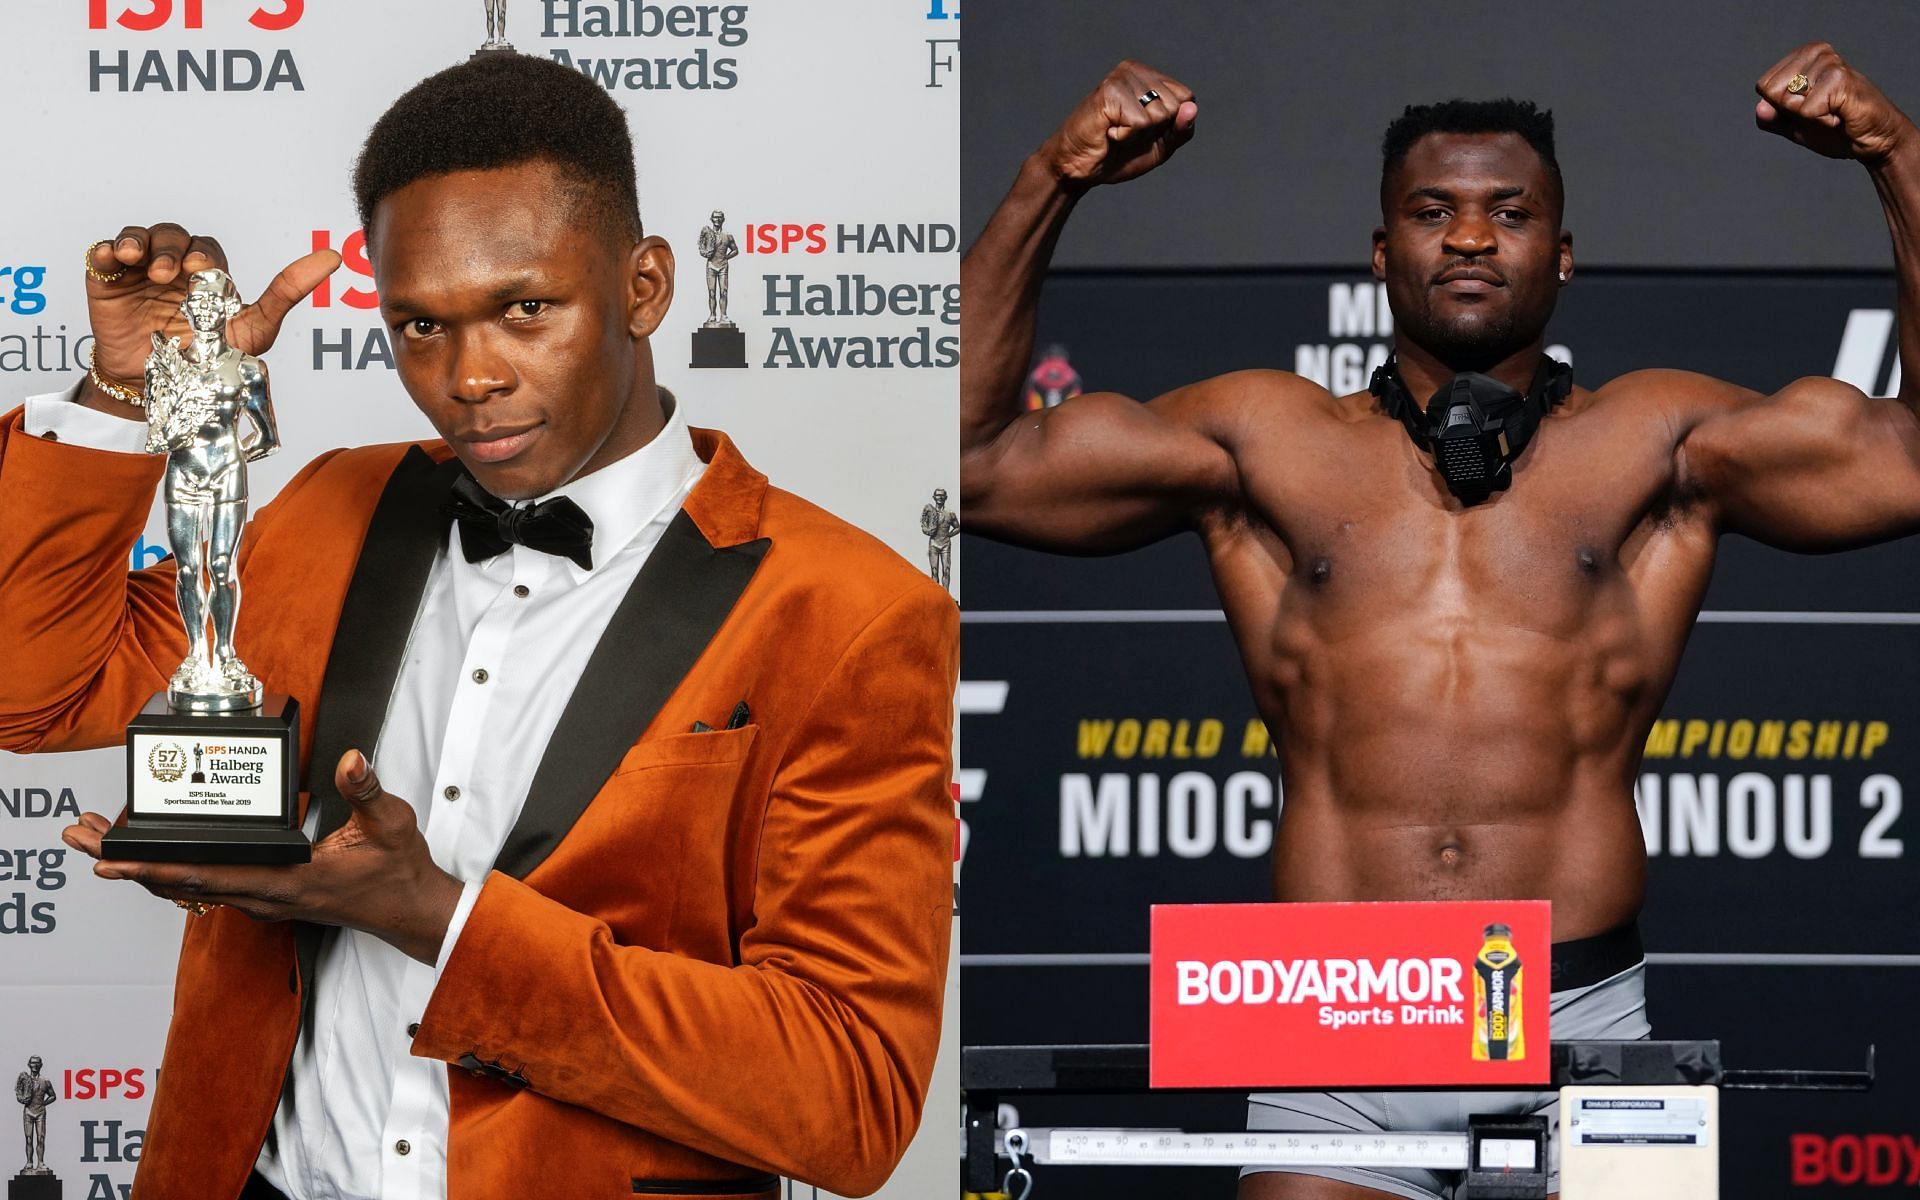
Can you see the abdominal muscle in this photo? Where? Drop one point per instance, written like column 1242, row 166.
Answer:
column 1435, row 763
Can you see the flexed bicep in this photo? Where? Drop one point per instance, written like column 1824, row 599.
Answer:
column 1102, row 473
column 1817, row 466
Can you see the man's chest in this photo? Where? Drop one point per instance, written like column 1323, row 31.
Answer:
column 1361, row 528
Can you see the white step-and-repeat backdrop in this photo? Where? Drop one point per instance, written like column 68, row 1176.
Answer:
column 826, row 130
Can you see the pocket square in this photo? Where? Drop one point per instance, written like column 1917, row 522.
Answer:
column 740, row 716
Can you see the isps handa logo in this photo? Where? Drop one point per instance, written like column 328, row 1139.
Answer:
column 199, row 67
column 870, row 318
column 167, row 762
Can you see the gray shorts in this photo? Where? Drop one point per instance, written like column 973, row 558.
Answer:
column 1615, row 1009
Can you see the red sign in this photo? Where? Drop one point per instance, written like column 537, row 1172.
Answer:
column 1870, row 1160
column 1441, row 993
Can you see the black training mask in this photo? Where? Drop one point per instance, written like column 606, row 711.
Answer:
column 1475, row 426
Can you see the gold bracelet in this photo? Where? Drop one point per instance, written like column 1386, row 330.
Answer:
column 125, row 395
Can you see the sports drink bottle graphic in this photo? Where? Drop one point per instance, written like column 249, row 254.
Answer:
column 1497, row 990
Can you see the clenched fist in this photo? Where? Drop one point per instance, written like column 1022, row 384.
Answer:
column 1112, row 136
column 1836, row 111
column 138, row 280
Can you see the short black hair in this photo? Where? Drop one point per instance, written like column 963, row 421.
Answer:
column 502, row 109
column 1505, row 115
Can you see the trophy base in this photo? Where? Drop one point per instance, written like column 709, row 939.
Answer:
column 193, row 844
column 212, row 787
column 494, row 48
column 34, row 1186
column 214, row 702
column 719, row 347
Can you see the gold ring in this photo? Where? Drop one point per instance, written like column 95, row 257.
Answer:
column 96, row 274
column 1798, row 85
column 196, row 907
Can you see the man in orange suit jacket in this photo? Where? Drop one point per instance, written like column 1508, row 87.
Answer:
column 711, row 947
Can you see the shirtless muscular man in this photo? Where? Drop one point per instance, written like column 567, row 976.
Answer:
column 1476, row 551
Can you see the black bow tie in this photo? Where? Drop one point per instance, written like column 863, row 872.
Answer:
column 488, row 524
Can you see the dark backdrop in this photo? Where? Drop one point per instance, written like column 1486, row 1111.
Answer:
column 1653, row 100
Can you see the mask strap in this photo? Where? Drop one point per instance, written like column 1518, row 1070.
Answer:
column 1387, row 385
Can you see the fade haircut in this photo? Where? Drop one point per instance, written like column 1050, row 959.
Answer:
column 1505, row 115
column 503, row 110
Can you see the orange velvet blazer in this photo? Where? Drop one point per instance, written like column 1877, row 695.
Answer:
column 701, row 959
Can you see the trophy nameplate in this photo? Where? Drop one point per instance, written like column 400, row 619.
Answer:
column 213, row 787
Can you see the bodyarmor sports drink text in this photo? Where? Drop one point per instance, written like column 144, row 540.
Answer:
column 1496, row 998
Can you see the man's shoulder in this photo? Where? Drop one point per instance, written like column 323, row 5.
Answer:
column 1667, row 388
column 341, row 487
column 1679, row 401
column 358, row 467
column 1257, row 387
column 1241, row 405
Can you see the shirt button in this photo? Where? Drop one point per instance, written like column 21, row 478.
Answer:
column 413, row 1030
column 401, row 1147
column 51, row 435
column 452, row 792
column 522, row 590
column 480, row 675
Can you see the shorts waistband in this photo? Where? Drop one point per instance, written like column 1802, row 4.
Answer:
column 1586, row 961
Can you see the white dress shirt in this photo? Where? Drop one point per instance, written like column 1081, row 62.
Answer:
column 495, row 651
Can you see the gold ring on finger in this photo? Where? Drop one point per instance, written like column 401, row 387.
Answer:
column 196, row 907
column 1798, row 85
column 91, row 271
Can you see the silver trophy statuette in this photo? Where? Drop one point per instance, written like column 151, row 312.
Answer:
column 34, row 1092
column 939, row 523
column 241, row 803
column 717, row 247
column 194, row 403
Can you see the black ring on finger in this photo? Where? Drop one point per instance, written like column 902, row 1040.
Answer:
column 1148, row 97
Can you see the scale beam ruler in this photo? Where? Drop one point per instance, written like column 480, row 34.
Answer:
column 1260, row 1148
column 990, row 1074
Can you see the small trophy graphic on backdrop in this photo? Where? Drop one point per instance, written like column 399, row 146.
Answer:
column 496, row 42
column 940, row 523
column 719, row 342
column 33, row 1092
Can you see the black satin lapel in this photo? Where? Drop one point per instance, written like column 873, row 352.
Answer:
column 375, row 618
column 675, row 606
column 406, row 530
